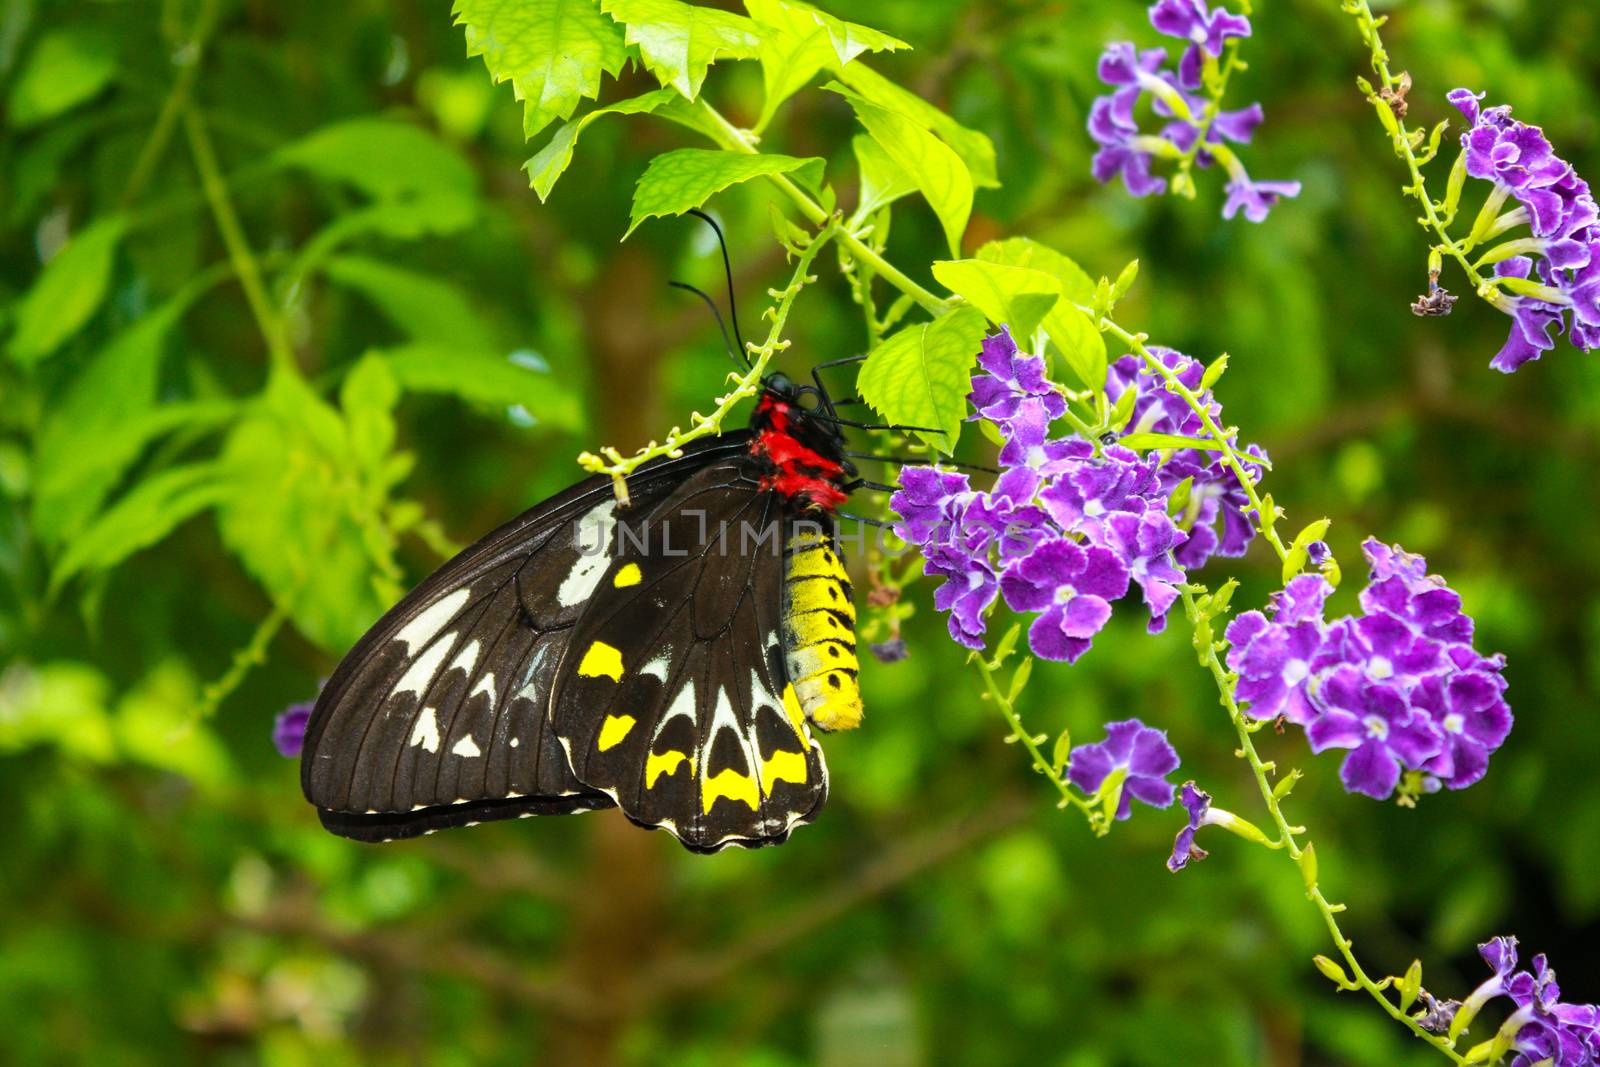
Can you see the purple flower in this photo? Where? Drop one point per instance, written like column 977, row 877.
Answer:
column 1145, row 544
column 1256, row 199
column 1274, row 659
column 1092, row 488
column 970, row 587
column 893, row 650
column 289, row 728
column 1197, row 804
column 1197, row 130
column 928, row 502
column 1560, row 210
column 1144, row 755
column 1192, row 21
column 1011, row 377
column 1072, row 587
column 1474, row 719
column 1376, row 722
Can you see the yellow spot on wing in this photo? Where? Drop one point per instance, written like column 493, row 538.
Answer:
column 664, row 763
column 627, row 575
column 601, row 661
column 614, row 729
column 731, row 784
column 782, row 766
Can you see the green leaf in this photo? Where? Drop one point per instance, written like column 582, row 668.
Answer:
column 921, row 375
column 679, row 41
column 686, row 178
column 882, row 180
column 551, row 161
column 485, row 378
column 306, row 529
column 1076, row 285
column 553, row 52
column 384, row 158
column 426, row 308
column 368, row 396
column 974, row 148
column 68, row 291
column 66, row 68
column 1017, row 297
column 155, row 507
column 155, row 724
column 1074, row 335
column 62, row 704
column 797, row 41
column 938, row 172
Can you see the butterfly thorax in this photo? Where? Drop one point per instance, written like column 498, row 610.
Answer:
column 803, row 453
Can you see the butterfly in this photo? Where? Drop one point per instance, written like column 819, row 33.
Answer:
column 674, row 655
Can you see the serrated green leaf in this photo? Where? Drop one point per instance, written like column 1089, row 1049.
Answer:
column 921, row 375
column 151, row 510
column 937, row 170
column 368, row 396
column 487, row 378
column 552, row 161
column 384, row 158
column 686, row 178
column 553, row 52
column 679, row 41
column 426, row 308
column 1017, row 297
column 797, row 41
column 1076, row 285
column 974, row 148
column 66, row 68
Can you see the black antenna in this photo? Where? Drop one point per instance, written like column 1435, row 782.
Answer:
column 727, row 270
column 712, row 304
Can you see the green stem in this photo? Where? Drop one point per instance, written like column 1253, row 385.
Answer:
column 731, row 137
column 1287, row 834
column 611, row 461
column 998, row 697
column 186, row 56
column 1401, row 137
column 245, row 264
column 1266, row 515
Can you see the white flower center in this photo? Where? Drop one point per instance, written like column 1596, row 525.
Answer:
column 1379, row 668
column 974, row 580
column 1454, row 723
column 1376, row 727
column 1036, row 456
column 1065, row 594
column 1198, row 34
column 1094, row 509
column 1295, row 671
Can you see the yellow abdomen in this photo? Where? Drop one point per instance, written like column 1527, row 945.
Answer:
column 819, row 623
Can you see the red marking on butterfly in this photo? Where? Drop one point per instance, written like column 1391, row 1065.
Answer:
column 799, row 471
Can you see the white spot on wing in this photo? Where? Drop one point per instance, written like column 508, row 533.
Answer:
column 466, row 747
column 426, row 733
column 657, row 668
column 467, row 658
column 485, row 685
column 682, row 706
column 420, row 630
column 593, row 542
column 515, row 741
column 418, row 677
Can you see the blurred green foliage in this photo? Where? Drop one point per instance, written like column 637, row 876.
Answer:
column 284, row 323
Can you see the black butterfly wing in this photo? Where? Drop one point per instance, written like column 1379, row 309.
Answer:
column 439, row 715
column 673, row 697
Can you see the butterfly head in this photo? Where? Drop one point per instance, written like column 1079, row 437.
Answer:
column 801, row 439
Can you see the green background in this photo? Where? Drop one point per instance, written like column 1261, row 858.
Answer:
column 167, row 897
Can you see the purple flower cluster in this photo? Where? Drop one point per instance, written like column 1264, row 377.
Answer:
column 1067, row 527
column 1541, row 1029
column 1132, row 73
column 1143, row 755
column 1400, row 686
column 1563, row 255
